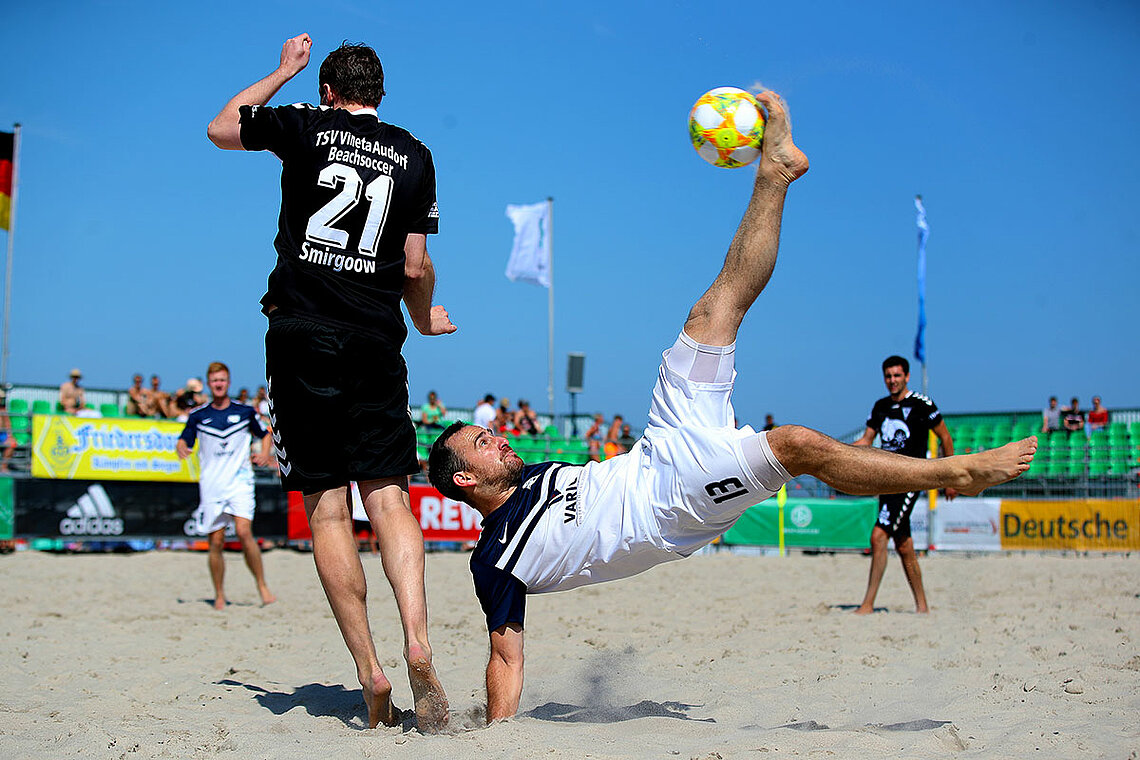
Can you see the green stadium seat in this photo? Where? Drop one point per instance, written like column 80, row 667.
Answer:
column 1098, row 468
column 40, row 406
column 22, row 439
column 1056, row 469
column 1119, row 428
column 109, row 410
column 18, row 406
column 1121, row 468
column 20, row 423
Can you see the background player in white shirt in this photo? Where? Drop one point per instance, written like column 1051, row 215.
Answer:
column 224, row 430
column 554, row 526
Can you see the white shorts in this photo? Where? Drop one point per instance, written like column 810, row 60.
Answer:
column 216, row 514
column 701, row 472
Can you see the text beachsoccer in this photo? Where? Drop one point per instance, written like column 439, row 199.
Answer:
column 106, row 438
column 332, row 136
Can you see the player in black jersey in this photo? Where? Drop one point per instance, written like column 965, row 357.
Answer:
column 903, row 421
column 357, row 204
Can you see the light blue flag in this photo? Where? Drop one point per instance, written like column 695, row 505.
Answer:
column 530, row 254
column 923, row 233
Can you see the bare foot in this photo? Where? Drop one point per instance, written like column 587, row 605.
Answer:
column 427, row 691
column 378, row 699
column 267, row 596
column 988, row 468
column 219, row 602
column 863, row 609
column 779, row 154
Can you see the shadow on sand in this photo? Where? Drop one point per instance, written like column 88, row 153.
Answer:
column 318, row 700
column 563, row 713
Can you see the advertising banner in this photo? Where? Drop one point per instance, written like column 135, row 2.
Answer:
column 81, row 448
column 967, row 524
column 808, row 524
column 7, row 509
column 1092, row 524
column 86, row 510
column 441, row 519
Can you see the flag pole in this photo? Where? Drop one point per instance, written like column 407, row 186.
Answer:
column 8, row 262
column 550, row 307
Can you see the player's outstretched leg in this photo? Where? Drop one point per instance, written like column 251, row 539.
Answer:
column 402, row 555
column 862, row 470
column 342, row 576
column 715, row 318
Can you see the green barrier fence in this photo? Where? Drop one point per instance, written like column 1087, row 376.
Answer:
column 808, row 524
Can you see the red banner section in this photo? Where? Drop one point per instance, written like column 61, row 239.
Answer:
column 441, row 519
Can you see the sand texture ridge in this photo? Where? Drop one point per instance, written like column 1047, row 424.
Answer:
column 122, row 656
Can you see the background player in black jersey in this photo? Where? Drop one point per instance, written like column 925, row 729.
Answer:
column 357, row 204
column 903, row 420
column 555, row 526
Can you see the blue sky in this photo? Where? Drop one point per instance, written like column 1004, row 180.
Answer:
column 142, row 248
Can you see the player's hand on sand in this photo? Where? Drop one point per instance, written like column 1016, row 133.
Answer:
column 439, row 322
column 779, row 155
column 295, row 54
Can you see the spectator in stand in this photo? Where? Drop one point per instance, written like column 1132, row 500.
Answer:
column 769, row 422
column 594, row 437
column 243, row 396
column 526, row 420
column 485, row 412
column 612, row 447
column 153, row 401
column 7, row 437
column 188, row 397
column 260, row 402
column 1074, row 418
column 431, row 413
column 135, row 396
column 504, row 421
column 1098, row 415
column 626, row 439
column 1051, row 417
column 71, row 397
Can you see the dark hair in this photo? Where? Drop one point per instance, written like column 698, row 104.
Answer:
column 488, row 398
column 444, row 462
column 896, row 361
column 354, row 74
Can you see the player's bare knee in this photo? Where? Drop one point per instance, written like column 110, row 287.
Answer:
column 798, row 448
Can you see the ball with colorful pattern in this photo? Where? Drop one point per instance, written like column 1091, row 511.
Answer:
column 726, row 126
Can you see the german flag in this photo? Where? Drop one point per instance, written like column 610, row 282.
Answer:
column 7, row 142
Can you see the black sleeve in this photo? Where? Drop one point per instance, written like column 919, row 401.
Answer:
column 277, row 130
column 426, row 214
column 875, row 418
column 933, row 416
column 502, row 596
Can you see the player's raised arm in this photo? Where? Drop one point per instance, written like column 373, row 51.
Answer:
column 505, row 672
column 225, row 130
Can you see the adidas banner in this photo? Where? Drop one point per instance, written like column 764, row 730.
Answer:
column 90, row 510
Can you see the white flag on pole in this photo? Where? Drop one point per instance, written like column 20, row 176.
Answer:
column 530, row 254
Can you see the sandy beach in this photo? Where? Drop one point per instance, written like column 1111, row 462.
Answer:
column 121, row 656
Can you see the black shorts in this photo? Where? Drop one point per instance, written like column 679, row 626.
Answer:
column 894, row 514
column 338, row 402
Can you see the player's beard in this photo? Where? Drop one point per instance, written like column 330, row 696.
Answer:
column 512, row 472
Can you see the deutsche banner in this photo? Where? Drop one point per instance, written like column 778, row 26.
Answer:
column 81, row 448
column 1096, row 524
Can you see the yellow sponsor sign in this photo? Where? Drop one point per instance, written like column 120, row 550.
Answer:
column 80, row 448
column 1100, row 524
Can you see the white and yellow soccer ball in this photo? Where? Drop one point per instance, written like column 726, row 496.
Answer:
column 726, row 126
